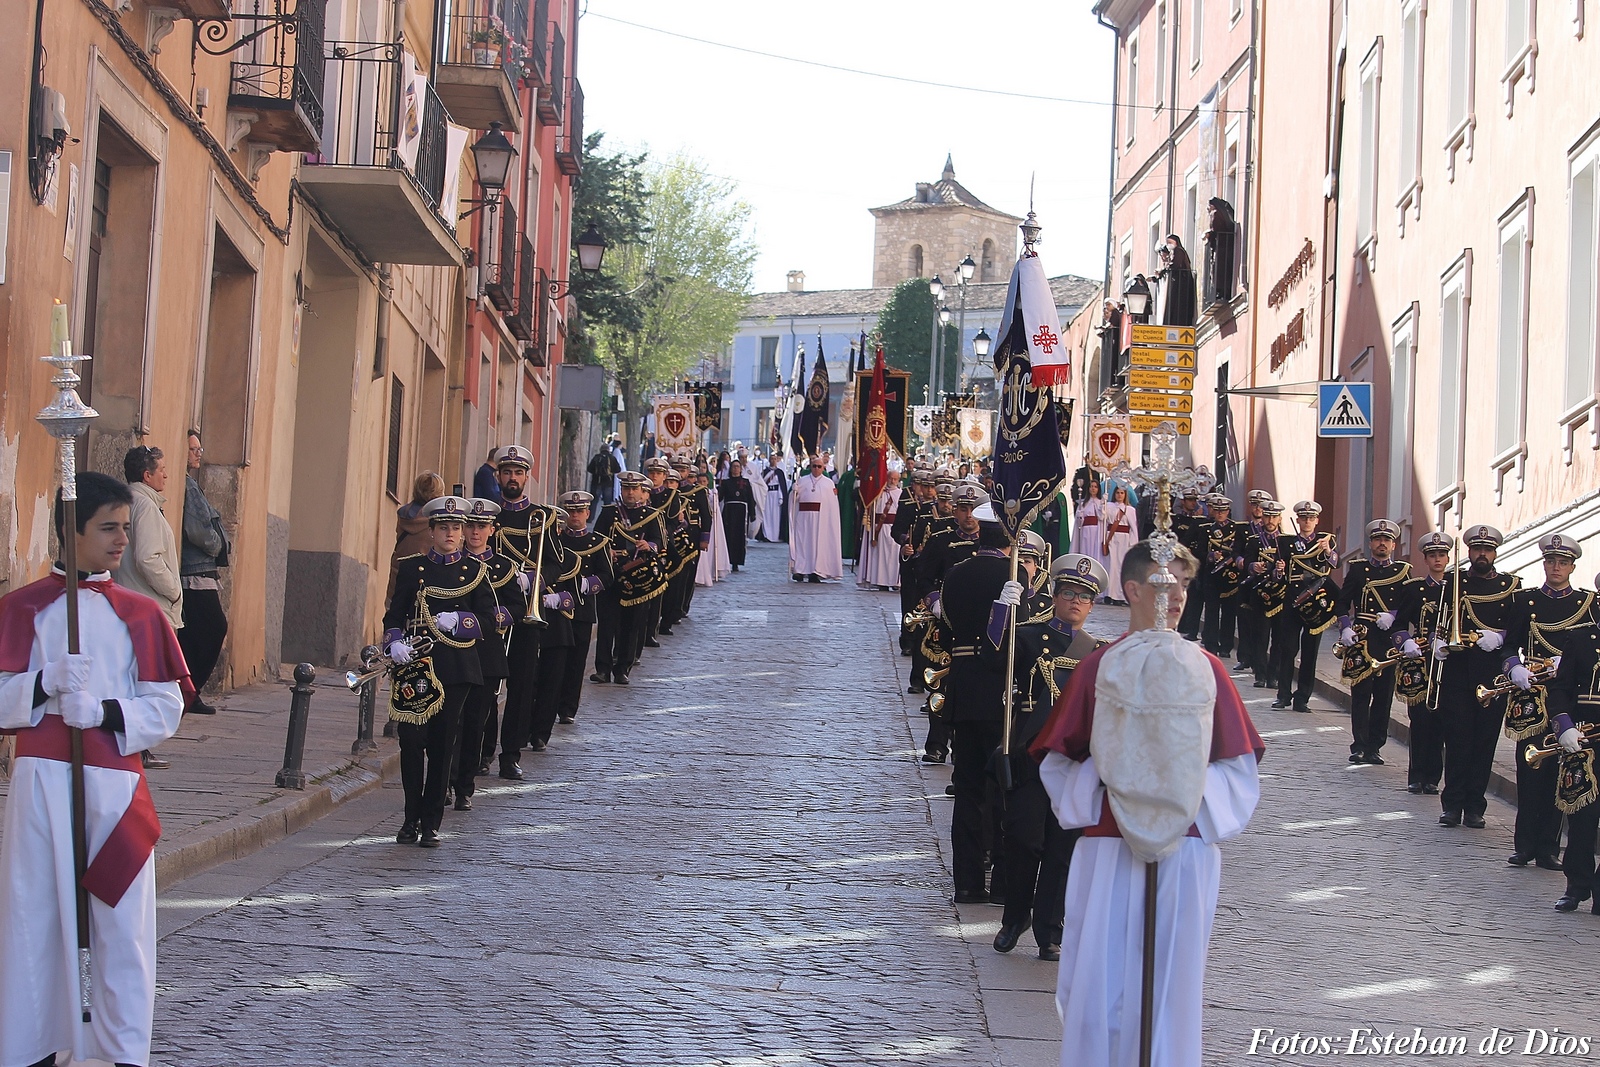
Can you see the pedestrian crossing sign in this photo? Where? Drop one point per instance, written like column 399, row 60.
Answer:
column 1344, row 409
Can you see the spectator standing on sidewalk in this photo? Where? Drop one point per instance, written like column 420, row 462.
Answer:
column 484, row 486
column 205, row 551
column 151, row 565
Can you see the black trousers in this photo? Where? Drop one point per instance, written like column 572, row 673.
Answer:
column 1189, row 621
column 1470, row 734
column 1294, row 636
column 491, row 723
column 671, row 602
column 547, row 703
column 651, row 623
column 1371, row 701
column 909, row 638
column 938, row 740
column 972, row 743
column 1255, row 642
column 1538, row 819
column 733, row 528
column 1427, row 747
column 205, row 627
column 521, row 691
column 1038, row 852
column 1578, row 863
column 1219, row 622
column 572, row 670
column 618, row 635
column 469, row 748
column 425, row 752
column 689, row 587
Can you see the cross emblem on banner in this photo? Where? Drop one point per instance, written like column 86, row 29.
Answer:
column 1045, row 341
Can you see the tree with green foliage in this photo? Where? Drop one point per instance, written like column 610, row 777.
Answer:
column 610, row 193
column 690, row 274
column 905, row 328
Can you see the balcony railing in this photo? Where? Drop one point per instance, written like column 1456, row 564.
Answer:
column 278, row 73
column 483, row 53
column 550, row 101
column 500, row 260
column 569, row 142
column 524, row 320
column 538, row 70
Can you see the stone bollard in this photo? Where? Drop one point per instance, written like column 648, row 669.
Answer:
column 368, row 707
column 294, row 746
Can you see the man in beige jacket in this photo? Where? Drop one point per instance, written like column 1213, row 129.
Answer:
column 151, row 561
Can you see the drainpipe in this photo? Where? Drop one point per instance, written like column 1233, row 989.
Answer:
column 1257, row 28
column 1111, row 189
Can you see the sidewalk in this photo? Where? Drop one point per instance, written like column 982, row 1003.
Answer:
column 218, row 801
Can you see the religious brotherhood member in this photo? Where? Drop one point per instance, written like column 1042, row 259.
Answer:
column 1037, row 850
column 443, row 594
column 738, row 508
column 1146, row 700
column 1086, row 519
column 518, row 530
column 880, row 554
column 814, row 552
column 594, row 578
column 1119, row 531
column 126, row 692
column 775, row 515
column 714, row 565
column 1472, row 730
column 1219, row 577
column 510, row 599
column 1426, row 597
column 1309, row 558
column 636, row 534
column 1544, row 624
column 1573, row 701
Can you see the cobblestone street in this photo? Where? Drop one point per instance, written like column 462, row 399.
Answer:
column 738, row 861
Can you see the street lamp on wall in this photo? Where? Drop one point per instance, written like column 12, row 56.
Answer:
column 591, row 248
column 1137, row 296
column 492, row 156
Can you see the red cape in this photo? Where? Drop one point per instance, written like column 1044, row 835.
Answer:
column 1072, row 719
column 155, row 645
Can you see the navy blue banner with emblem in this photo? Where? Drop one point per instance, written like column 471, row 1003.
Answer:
column 1030, row 466
column 813, row 421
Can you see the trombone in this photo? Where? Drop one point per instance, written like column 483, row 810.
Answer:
column 375, row 664
column 1588, row 737
column 533, row 616
column 1542, row 670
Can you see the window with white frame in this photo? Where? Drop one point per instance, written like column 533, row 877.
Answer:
column 1191, row 208
column 1161, row 60
column 1367, row 190
column 1235, row 9
column 1455, row 305
column 1411, row 30
column 1126, row 260
column 1133, row 83
column 1157, row 239
column 1402, row 384
column 1579, row 388
column 1521, row 48
column 1459, row 118
column 1511, row 342
column 1230, row 164
column 1196, row 24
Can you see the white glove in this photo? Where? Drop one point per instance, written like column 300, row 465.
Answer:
column 1347, row 636
column 525, row 582
column 1385, row 620
column 1555, row 664
column 1520, row 676
column 1570, row 739
column 1011, row 594
column 1411, row 649
column 448, row 621
column 401, row 652
column 1441, row 651
column 69, row 674
column 1491, row 640
column 84, row 712
column 551, row 600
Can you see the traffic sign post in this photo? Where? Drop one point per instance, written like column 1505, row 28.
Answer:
column 1344, row 409
column 1181, row 403
column 1150, row 423
column 1139, row 378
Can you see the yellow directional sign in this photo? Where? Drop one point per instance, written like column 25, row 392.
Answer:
column 1160, row 379
column 1163, row 335
column 1150, row 423
column 1175, row 358
column 1177, row 402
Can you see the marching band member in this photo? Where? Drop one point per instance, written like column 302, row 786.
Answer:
column 1193, row 529
column 1426, row 598
column 637, row 535
column 506, row 582
column 1219, row 577
column 594, row 578
column 1310, row 558
column 1574, row 702
column 1374, row 597
column 1258, row 592
column 444, row 595
column 911, row 509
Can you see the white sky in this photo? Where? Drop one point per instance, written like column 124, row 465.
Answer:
column 813, row 149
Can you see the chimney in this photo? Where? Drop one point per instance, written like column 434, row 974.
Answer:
column 797, row 281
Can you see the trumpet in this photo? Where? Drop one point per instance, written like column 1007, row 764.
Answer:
column 375, row 664
column 1542, row 670
column 932, row 676
column 917, row 618
column 1588, row 737
column 533, row 617
column 936, row 703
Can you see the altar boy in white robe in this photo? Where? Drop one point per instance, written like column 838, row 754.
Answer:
column 814, row 546
column 880, row 553
column 1166, row 771
column 126, row 692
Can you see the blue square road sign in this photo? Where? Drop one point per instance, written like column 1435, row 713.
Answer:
column 1344, row 409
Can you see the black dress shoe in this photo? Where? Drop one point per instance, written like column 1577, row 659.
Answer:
column 1050, row 953
column 799, row 577
column 200, row 707
column 483, row 769
column 1305, row 708
column 1548, row 862
column 1240, row 667
column 430, row 839
column 566, row 720
column 1374, row 759
column 1450, row 818
column 915, row 688
column 651, row 642
column 972, row 896
column 814, row 579
column 511, row 772
column 1414, row 787
column 1357, row 757
column 598, row 677
column 463, row 803
column 933, row 757
column 1570, row 900
column 407, row 834
column 536, row 745
column 154, row 762
column 620, row 679
column 1473, row 822
column 1006, row 939
column 1262, row 683
column 950, row 790
column 1520, row 859
column 1430, row 789
column 665, row 631
column 1280, row 705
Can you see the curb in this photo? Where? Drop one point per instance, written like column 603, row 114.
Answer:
column 246, row 833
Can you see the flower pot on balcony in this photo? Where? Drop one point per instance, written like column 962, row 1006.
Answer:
column 485, row 55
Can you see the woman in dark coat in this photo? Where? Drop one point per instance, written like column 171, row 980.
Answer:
column 1177, row 284
column 738, row 504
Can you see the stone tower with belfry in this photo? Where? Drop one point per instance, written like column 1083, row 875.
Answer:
column 934, row 230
